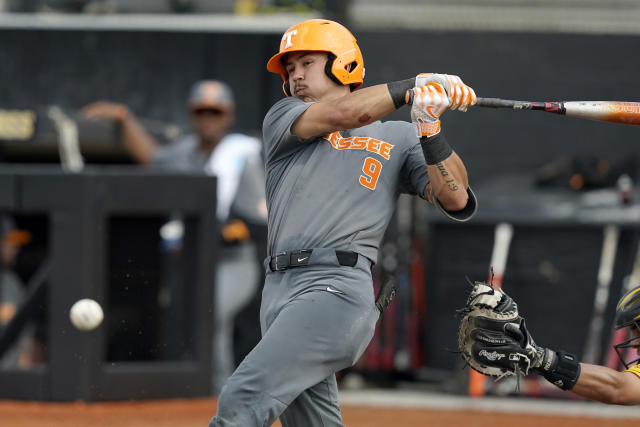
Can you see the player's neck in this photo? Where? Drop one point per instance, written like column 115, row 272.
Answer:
column 335, row 93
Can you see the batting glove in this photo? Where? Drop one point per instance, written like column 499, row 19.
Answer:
column 428, row 103
column 460, row 95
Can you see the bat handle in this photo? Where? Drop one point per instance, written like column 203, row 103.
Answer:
column 549, row 107
column 495, row 103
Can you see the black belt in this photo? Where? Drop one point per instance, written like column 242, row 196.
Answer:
column 300, row 258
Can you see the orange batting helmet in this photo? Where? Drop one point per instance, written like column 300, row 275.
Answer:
column 345, row 65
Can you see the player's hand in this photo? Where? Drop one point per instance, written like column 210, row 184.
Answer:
column 460, row 95
column 235, row 231
column 428, row 103
column 105, row 110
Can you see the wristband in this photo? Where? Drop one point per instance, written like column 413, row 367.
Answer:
column 435, row 148
column 563, row 370
column 398, row 91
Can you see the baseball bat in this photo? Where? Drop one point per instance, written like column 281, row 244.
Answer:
column 501, row 242
column 605, row 274
column 627, row 113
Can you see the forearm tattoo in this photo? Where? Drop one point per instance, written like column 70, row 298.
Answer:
column 451, row 183
column 429, row 193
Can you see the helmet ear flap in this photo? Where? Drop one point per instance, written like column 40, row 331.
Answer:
column 328, row 67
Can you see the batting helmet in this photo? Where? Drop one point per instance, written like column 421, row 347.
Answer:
column 345, row 65
column 628, row 308
column 628, row 314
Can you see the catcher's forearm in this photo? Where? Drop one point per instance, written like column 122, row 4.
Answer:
column 607, row 385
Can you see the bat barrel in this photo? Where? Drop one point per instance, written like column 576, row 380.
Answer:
column 605, row 111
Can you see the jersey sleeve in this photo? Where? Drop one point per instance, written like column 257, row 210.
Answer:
column 162, row 157
column 276, row 128
column 463, row 215
column 173, row 155
column 413, row 176
column 635, row 369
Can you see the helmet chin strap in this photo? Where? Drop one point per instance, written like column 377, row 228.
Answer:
column 285, row 88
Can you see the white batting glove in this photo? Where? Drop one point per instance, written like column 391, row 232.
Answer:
column 429, row 102
column 461, row 96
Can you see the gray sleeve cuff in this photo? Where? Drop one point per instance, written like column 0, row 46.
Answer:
column 463, row 214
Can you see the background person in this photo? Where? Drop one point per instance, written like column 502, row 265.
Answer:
column 13, row 293
column 235, row 160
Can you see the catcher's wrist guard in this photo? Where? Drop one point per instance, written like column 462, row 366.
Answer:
column 560, row 368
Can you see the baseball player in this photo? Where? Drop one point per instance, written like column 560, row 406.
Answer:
column 565, row 370
column 334, row 172
column 236, row 161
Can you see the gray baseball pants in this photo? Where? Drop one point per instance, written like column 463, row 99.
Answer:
column 315, row 320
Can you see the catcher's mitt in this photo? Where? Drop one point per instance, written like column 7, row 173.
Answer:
column 492, row 337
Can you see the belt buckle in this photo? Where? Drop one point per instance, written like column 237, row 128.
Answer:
column 276, row 257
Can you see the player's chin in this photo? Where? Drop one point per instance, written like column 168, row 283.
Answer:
column 303, row 95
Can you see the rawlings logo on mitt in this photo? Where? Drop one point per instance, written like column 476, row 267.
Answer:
column 492, row 337
column 490, row 356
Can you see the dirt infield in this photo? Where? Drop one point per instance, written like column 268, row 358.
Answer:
column 197, row 412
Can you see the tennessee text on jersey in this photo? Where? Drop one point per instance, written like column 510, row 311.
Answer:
column 359, row 143
column 371, row 168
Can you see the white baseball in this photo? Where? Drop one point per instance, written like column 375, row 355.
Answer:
column 86, row 314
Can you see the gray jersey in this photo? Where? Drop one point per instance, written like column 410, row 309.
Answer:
column 337, row 191
column 181, row 155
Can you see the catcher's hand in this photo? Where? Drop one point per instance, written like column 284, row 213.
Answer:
column 493, row 338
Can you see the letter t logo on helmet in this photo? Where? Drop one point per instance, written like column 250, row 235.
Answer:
column 287, row 36
column 345, row 66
